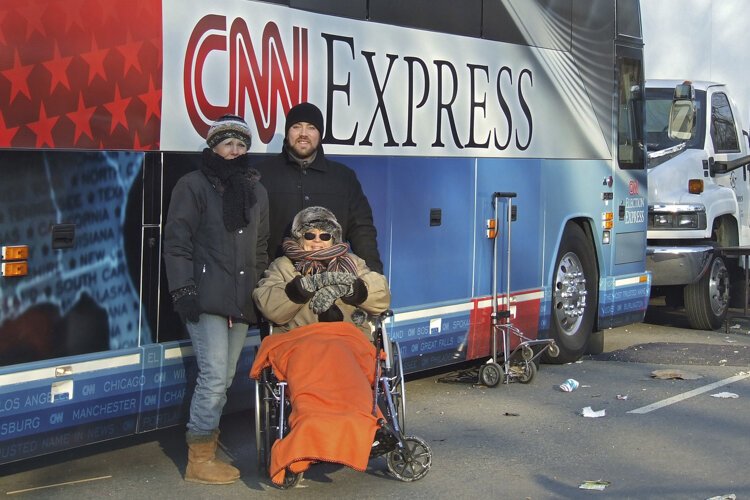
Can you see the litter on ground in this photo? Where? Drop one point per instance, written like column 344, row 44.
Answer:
column 725, row 395
column 594, row 485
column 675, row 374
column 590, row 413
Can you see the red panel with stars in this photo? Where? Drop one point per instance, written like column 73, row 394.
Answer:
column 80, row 74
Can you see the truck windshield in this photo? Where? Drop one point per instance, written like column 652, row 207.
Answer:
column 658, row 103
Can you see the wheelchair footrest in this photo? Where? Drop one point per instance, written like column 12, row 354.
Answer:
column 384, row 442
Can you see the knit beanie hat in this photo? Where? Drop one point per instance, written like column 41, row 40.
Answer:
column 316, row 218
column 228, row 127
column 304, row 112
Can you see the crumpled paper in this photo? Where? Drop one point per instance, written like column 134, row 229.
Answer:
column 725, row 395
column 590, row 413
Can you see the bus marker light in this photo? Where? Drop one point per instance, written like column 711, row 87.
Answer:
column 63, row 371
column 606, row 237
column 18, row 252
column 20, row 268
column 491, row 229
column 608, row 219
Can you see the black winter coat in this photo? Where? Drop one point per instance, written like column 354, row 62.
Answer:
column 198, row 249
column 323, row 183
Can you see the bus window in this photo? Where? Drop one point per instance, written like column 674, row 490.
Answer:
column 509, row 22
column 446, row 16
column 354, row 9
column 630, row 114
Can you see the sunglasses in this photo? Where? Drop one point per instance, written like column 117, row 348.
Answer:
column 322, row 236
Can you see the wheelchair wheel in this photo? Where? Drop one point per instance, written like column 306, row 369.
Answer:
column 263, row 432
column 398, row 390
column 411, row 463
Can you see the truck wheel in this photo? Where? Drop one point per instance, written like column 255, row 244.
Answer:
column 573, row 296
column 707, row 300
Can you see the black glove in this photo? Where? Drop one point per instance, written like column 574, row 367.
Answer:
column 188, row 308
column 297, row 292
column 331, row 315
column 359, row 293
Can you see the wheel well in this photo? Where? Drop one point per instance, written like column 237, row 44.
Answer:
column 725, row 231
column 588, row 230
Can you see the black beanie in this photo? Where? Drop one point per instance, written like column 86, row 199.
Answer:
column 304, row 112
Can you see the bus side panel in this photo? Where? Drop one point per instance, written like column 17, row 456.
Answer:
column 619, row 301
column 423, row 209
column 68, row 405
column 520, row 176
column 81, row 293
column 79, row 302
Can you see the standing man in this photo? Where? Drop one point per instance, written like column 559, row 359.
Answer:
column 215, row 252
column 301, row 176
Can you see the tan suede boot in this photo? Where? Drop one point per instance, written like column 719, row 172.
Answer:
column 203, row 466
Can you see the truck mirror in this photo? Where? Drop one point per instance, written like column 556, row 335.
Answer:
column 681, row 119
column 684, row 91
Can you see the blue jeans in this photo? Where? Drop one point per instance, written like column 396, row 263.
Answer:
column 217, row 349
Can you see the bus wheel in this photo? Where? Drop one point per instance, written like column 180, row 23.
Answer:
column 573, row 296
column 707, row 300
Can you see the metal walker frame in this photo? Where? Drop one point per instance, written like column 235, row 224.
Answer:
column 492, row 372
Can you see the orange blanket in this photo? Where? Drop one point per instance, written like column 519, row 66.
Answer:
column 330, row 369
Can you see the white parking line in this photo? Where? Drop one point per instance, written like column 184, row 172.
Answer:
column 689, row 394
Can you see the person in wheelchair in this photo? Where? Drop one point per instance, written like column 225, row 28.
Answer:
column 318, row 279
column 319, row 392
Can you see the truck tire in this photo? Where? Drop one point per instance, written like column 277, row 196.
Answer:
column 707, row 300
column 574, row 290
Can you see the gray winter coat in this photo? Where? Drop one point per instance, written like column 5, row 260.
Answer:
column 200, row 251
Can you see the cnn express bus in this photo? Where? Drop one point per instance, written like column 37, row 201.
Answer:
column 436, row 104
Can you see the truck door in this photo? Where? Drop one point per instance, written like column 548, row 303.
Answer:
column 728, row 144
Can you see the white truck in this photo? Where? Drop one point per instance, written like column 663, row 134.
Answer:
column 697, row 40
column 698, row 196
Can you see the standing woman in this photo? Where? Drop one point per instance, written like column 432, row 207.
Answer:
column 215, row 250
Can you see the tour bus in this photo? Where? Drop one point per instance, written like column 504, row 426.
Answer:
column 436, row 104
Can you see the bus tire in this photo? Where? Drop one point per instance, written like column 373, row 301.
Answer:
column 707, row 300
column 595, row 345
column 574, row 290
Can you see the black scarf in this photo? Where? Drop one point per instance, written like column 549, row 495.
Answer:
column 237, row 185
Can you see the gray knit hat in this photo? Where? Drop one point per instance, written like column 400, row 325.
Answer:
column 316, row 218
column 229, row 127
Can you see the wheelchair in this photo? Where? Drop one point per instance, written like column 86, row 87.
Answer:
column 408, row 458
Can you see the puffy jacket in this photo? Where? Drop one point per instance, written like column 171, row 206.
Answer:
column 277, row 307
column 323, row 183
column 200, row 251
